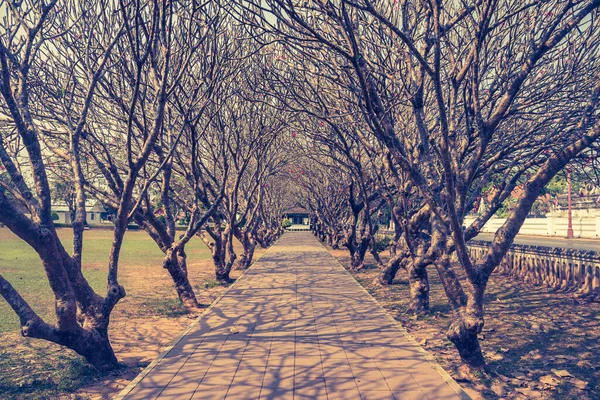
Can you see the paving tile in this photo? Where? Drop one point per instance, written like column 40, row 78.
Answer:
column 243, row 392
column 343, row 394
column 340, row 384
column 279, row 378
column 337, row 370
column 378, row 395
column 401, row 383
column 371, row 383
column 305, row 330
column 310, row 389
column 143, row 393
column 218, row 378
column 184, row 390
column 208, row 394
column 276, row 394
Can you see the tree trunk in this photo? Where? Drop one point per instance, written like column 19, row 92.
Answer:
column 175, row 259
column 175, row 262
column 247, row 256
column 419, row 289
column 388, row 273
column 221, row 266
column 467, row 344
column 468, row 314
column 356, row 262
column 357, row 256
column 88, row 337
column 99, row 353
column 222, row 272
column 225, row 264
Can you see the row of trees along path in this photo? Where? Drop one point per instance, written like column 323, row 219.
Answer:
column 420, row 109
column 228, row 112
column 138, row 105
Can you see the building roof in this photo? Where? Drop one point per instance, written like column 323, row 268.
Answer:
column 296, row 210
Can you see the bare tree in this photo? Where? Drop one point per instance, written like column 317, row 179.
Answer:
column 187, row 70
column 82, row 316
column 249, row 130
column 459, row 93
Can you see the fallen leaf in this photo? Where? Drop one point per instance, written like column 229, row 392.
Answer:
column 581, row 384
column 549, row 380
column 584, row 364
column 494, row 356
column 530, row 393
column 562, row 373
column 498, row 389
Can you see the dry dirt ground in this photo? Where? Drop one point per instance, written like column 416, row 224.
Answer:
column 537, row 344
column 142, row 325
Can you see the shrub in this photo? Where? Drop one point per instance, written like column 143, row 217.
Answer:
column 55, row 216
column 382, row 243
column 286, row 223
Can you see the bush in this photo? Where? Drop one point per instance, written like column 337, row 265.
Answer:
column 55, row 216
column 382, row 243
column 286, row 223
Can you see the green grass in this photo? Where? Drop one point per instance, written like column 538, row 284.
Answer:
column 168, row 307
column 209, row 285
column 36, row 369
column 21, row 266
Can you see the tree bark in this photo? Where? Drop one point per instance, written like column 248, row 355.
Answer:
column 357, row 255
column 388, row 273
column 248, row 254
column 175, row 262
column 467, row 343
column 419, row 289
column 90, row 339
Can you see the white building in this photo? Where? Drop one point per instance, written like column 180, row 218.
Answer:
column 93, row 213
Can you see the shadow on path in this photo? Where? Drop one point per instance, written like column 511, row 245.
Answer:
column 295, row 326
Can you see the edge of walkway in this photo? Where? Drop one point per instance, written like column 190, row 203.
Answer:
column 428, row 356
column 132, row 385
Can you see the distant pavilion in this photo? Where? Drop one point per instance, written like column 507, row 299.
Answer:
column 297, row 215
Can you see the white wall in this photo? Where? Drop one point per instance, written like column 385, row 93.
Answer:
column 95, row 216
column 63, row 217
column 585, row 227
column 92, row 218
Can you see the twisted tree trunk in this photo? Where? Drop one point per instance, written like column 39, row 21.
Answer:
column 419, row 288
column 175, row 262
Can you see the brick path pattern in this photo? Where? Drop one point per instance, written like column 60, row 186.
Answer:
column 295, row 326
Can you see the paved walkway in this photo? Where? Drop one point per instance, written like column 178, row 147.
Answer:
column 295, row 326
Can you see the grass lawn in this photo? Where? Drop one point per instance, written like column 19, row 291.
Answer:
column 145, row 321
column 20, row 265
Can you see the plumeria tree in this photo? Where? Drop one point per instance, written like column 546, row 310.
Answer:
column 145, row 93
column 35, row 31
column 458, row 93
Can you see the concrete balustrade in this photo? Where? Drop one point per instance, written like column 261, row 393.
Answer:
column 556, row 268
